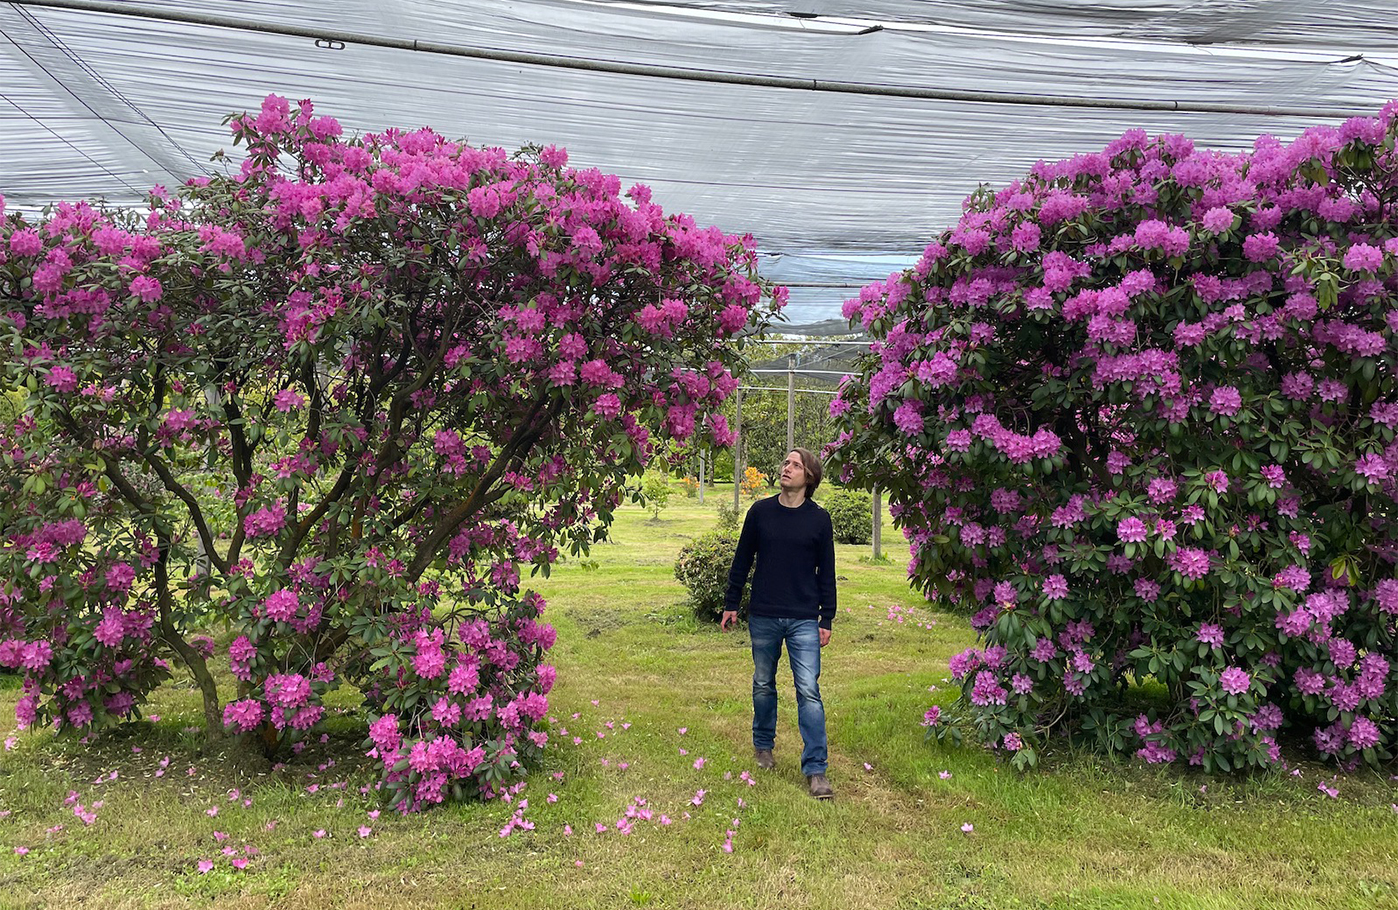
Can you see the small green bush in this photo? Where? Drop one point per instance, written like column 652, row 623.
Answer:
column 655, row 487
column 702, row 567
column 852, row 514
column 11, row 405
column 727, row 517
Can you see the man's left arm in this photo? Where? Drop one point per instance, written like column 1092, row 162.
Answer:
column 825, row 581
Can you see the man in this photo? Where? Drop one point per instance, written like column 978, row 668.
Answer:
column 793, row 602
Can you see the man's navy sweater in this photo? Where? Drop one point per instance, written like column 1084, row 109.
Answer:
column 795, row 552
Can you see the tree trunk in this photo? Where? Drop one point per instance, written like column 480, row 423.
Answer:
column 198, row 668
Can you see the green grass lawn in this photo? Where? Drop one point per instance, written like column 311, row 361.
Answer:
column 663, row 692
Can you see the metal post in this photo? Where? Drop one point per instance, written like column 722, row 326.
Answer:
column 738, row 451
column 790, row 402
column 701, row 475
column 878, row 524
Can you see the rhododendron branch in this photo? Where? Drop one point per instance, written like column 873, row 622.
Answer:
column 196, row 513
column 316, row 408
column 213, row 720
column 526, row 434
column 408, row 514
column 292, row 541
column 110, row 469
column 242, row 450
column 392, row 448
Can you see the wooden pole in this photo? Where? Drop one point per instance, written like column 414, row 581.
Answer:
column 878, row 524
column 738, row 452
column 790, row 402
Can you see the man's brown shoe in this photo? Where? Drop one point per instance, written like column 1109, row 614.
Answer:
column 764, row 758
column 820, row 787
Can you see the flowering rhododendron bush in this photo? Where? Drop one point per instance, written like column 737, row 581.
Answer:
column 332, row 403
column 1138, row 410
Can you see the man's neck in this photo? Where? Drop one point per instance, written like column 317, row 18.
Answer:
column 792, row 499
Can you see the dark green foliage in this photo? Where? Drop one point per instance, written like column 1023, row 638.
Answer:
column 852, row 514
column 702, row 567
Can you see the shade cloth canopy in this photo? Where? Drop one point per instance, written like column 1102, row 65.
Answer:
column 842, row 138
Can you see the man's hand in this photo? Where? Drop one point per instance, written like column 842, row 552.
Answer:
column 824, row 637
column 730, row 618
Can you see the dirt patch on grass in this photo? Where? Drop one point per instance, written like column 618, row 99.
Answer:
column 597, row 621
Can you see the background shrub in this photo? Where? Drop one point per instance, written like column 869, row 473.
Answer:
column 655, row 487
column 702, row 567
column 727, row 516
column 1138, row 411
column 753, row 481
column 852, row 514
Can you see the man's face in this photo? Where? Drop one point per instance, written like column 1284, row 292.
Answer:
column 793, row 474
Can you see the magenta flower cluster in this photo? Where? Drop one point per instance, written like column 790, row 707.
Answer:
column 1155, row 444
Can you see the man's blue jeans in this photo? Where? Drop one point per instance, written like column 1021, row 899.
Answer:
column 802, row 639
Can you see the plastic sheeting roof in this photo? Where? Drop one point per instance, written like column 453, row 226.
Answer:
column 839, row 184
column 1354, row 24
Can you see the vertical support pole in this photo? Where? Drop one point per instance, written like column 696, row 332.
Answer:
column 701, row 475
column 878, row 523
column 738, row 452
column 790, row 402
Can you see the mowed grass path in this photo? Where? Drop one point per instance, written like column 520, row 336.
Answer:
column 664, row 692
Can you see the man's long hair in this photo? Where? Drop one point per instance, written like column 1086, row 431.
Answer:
column 814, row 470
